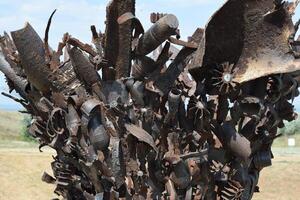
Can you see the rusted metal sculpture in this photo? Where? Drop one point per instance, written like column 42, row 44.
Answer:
column 195, row 123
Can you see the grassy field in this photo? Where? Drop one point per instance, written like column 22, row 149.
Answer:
column 21, row 170
column 10, row 125
column 22, row 165
column 282, row 180
column 283, row 141
column 20, row 174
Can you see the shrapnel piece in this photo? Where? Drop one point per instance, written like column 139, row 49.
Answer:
column 145, row 115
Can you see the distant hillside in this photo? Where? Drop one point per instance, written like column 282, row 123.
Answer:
column 10, row 125
column 9, row 105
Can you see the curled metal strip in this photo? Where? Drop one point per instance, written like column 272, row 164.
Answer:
column 54, row 122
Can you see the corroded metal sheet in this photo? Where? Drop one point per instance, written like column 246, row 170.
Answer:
column 252, row 35
column 195, row 123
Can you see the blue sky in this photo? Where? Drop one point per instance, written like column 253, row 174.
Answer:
column 76, row 16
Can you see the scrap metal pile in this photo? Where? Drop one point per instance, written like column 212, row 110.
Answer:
column 134, row 117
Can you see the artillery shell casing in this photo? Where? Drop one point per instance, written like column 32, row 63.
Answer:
column 97, row 134
column 157, row 34
column 19, row 83
column 136, row 90
column 174, row 100
column 32, row 54
column 239, row 145
column 262, row 159
column 143, row 66
column 173, row 104
column 83, row 68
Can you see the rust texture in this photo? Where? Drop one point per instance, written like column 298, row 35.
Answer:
column 147, row 115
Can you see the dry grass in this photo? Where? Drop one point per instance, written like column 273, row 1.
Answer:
column 283, row 141
column 10, row 125
column 21, row 170
column 21, row 167
column 282, row 180
column 20, row 174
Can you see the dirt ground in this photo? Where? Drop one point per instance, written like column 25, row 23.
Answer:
column 21, row 170
column 20, row 174
column 282, row 180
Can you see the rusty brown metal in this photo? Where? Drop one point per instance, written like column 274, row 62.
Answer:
column 33, row 58
column 19, row 82
column 157, row 34
column 118, row 37
column 255, row 40
column 190, row 123
column 271, row 52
